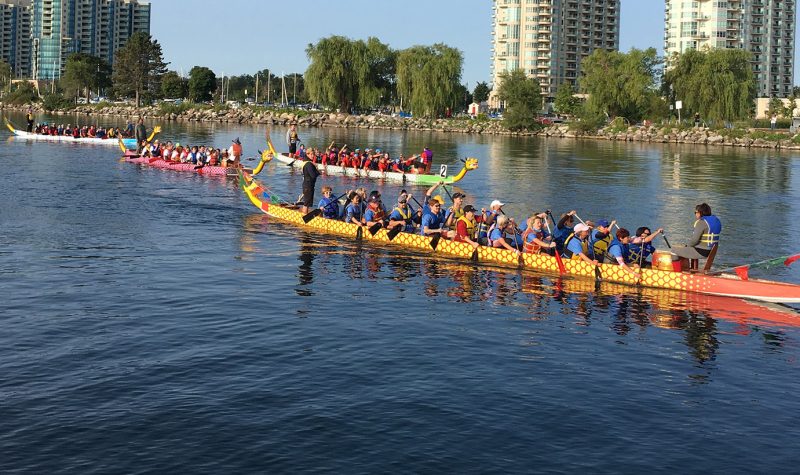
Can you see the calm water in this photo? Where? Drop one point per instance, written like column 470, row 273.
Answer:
column 156, row 322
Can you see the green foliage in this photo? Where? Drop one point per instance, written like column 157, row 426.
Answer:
column 523, row 98
column 716, row 83
column 657, row 108
column 57, row 101
column 796, row 139
column 791, row 105
column 588, row 121
column 23, row 94
column 202, row 83
column 565, row 101
column 769, row 136
column 775, row 106
column 347, row 73
column 620, row 84
column 165, row 108
column 428, row 79
column 173, row 86
column 481, row 92
column 139, row 67
column 84, row 73
column 5, row 74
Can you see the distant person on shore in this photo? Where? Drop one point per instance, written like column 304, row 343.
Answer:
column 292, row 139
column 141, row 131
column 697, row 119
column 773, row 121
column 29, row 119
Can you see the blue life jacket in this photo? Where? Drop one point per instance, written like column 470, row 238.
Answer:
column 637, row 252
column 711, row 236
column 330, row 208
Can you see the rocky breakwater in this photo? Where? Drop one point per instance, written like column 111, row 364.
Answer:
column 702, row 136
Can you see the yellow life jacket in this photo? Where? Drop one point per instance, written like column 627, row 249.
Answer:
column 471, row 226
column 569, row 254
column 600, row 247
column 406, row 215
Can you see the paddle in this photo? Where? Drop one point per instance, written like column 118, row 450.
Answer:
column 742, row 271
column 561, row 268
column 394, row 231
column 664, row 235
column 316, row 212
column 375, row 228
column 435, row 240
column 597, row 274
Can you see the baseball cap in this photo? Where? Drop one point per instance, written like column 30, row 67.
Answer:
column 496, row 203
column 602, row 223
column 439, row 199
column 469, row 208
column 580, row 227
column 458, row 194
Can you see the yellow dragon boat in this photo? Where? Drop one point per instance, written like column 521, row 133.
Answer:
column 726, row 285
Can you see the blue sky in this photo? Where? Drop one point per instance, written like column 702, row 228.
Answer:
column 244, row 36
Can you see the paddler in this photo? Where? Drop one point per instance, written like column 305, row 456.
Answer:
column 375, row 212
column 235, row 152
column 563, row 229
column 467, row 227
column 576, row 247
column 707, row 230
column 489, row 217
column 535, row 238
column 353, row 213
column 328, row 205
column 497, row 235
column 432, row 219
column 402, row 214
column 292, row 139
column 618, row 251
column 455, row 211
column 600, row 238
column 640, row 247
column 310, row 175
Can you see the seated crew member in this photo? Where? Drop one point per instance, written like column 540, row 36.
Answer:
column 563, row 229
column 618, row 250
column 489, row 218
column 402, row 214
column 328, row 205
column 353, row 213
column 497, row 235
column 432, row 219
column 467, row 227
column 600, row 238
column 707, row 230
column 455, row 211
column 640, row 248
column 535, row 238
column 576, row 247
column 374, row 213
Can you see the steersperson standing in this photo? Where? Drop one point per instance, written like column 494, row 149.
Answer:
column 29, row 119
column 707, row 229
column 141, row 132
column 292, row 139
column 310, row 175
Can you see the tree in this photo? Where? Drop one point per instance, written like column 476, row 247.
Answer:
column 620, row 84
column 791, row 105
column 523, row 99
column 775, row 107
column 565, row 101
column 481, row 92
column 345, row 73
column 139, row 67
column 718, row 83
column 429, row 78
column 84, row 72
column 202, row 84
column 173, row 86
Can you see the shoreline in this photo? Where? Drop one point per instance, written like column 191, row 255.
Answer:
column 668, row 134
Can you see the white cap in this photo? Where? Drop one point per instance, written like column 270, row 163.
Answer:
column 496, row 203
column 580, row 227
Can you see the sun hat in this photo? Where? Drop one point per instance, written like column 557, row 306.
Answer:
column 580, row 227
column 439, row 199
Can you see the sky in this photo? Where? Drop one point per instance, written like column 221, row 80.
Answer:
column 245, row 36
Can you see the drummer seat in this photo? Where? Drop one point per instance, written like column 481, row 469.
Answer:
column 694, row 263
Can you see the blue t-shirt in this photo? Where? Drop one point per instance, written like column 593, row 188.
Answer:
column 532, row 235
column 330, row 208
column 431, row 221
column 353, row 211
column 617, row 249
column 575, row 246
column 369, row 216
column 496, row 234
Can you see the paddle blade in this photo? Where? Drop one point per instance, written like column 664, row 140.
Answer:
column 791, row 260
column 474, row 256
column 598, row 275
column 561, row 268
column 394, row 232
column 375, row 228
column 313, row 214
column 359, row 233
column 435, row 240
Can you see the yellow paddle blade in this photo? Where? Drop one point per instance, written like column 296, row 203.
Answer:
column 121, row 144
column 8, row 124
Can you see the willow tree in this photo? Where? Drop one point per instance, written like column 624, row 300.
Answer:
column 620, row 84
column 345, row 72
column 717, row 83
column 429, row 78
column 523, row 99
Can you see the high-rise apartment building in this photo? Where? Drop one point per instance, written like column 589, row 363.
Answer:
column 766, row 28
column 15, row 27
column 97, row 27
column 548, row 39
